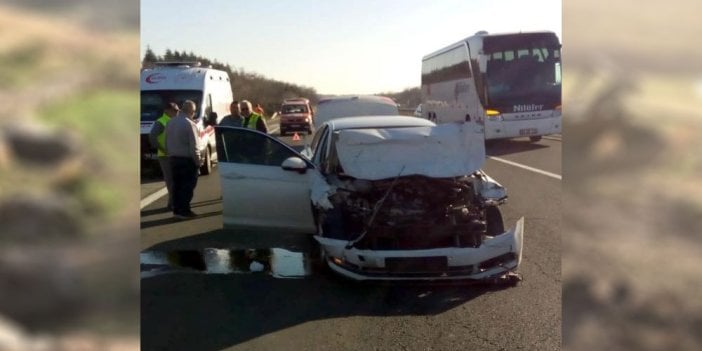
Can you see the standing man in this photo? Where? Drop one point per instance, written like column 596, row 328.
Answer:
column 252, row 120
column 184, row 155
column 157, row 138
column 234, row 119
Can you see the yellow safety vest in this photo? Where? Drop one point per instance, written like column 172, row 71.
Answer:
column 253, row 120
column 161, row 138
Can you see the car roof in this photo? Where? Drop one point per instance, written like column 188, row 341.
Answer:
column 369, row 98
column 378, row 122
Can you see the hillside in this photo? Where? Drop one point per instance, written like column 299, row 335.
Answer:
column 408, row 98
column 265, row 91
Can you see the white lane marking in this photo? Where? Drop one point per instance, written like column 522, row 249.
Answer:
column 535, row 170
column 153, row 197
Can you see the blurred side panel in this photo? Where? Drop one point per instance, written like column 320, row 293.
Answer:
column 632, row 201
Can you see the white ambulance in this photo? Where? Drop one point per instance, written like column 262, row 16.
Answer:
column 209, row 88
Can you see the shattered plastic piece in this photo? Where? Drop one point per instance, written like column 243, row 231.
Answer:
column 321, row 191
column 286, row 263
column 492, row 190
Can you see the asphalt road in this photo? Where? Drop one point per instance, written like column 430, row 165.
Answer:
column 188, row 309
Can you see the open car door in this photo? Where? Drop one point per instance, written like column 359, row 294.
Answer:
column 265, row 183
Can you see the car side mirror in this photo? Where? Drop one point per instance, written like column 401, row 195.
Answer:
column 294, row 164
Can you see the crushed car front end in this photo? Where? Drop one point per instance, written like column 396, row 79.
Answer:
column 418, row 228
column 413, row 204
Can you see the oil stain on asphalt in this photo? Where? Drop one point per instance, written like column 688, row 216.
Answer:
column 279, row 263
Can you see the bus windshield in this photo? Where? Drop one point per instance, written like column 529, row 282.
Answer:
column 153, row 101
column 523, row 75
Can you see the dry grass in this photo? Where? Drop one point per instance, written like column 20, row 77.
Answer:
column 42, row 64
column 81, row 82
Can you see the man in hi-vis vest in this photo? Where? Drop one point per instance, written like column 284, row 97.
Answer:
column 157, row 138
column 252, row 119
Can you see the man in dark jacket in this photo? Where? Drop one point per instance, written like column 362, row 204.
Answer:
column 234, row 119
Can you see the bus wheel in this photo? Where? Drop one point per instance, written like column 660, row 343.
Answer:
column 534, row 139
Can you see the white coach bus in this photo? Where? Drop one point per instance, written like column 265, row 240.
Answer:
column 511, row 82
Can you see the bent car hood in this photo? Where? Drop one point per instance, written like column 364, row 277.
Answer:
column 446, row 150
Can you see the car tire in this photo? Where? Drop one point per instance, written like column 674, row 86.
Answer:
column 534, row 139
column 207, row 165
column 494, row 223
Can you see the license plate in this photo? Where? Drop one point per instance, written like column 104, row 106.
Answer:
column 528, row 131
column 416, row 264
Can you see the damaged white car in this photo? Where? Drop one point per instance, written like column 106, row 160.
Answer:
column 388, row 197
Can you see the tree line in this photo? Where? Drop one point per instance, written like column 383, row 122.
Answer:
column 408, row 98
column 251, row 86
column 259, row 89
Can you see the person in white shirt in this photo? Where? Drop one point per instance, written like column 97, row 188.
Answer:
column 184, row 155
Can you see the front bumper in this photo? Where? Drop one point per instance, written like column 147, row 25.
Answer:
column 525, row 128
column 295, row 126
column 495, row 257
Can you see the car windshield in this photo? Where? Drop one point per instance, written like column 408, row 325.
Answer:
column 152, row 101
column 294, row 109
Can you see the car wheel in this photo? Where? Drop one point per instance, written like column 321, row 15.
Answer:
column 207, row 165
column 494, row 223
column 534, row 139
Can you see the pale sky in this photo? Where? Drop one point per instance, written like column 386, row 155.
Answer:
column 334, row 46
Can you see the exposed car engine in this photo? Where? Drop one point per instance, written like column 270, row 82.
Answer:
column 410, row 212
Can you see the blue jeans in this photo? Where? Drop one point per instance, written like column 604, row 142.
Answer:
column 184, row 181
